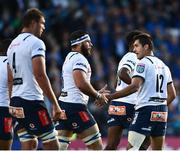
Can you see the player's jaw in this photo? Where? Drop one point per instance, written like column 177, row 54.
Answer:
column 86, row 49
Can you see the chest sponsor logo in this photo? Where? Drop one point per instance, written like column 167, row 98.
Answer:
column 158, row 116
column 140, row 68
column 117, row 110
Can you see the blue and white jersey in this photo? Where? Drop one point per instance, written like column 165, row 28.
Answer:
column 4, row 91
column 128, row 61
column 74, row 61
column 20, row 53
column 156, row 76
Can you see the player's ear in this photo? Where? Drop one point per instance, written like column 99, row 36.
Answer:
column 33, row 22
column 146, row 46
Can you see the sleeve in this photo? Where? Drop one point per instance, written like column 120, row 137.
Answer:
column 80, row 63
column 129, row 62
column 169, row 77
column 141, row 69
column 38, row 49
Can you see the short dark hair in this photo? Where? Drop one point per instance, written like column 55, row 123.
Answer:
column 144, row 39
column 4, row 46
column 77, row 34
column 130, row 36
column 30, row 15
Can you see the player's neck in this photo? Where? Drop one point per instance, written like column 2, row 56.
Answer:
column 150, row 53
column 26, row 30
column 76, row 50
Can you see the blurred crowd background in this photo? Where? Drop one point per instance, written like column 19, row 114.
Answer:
column 108, row 22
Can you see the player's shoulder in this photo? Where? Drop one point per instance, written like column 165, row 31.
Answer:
column 149, row 59
column 30, row 38
column 75, row 56
column 130, row 55
column 3, row 59
column 36, row 40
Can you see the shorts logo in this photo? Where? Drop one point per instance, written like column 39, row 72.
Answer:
column 17, row 112
column 140, row 68
column 43, row 117
column 7, row 125
column 75, row 125
column 158, row 116
column 84, row 116
column 31, row 125
column 117, row 110
column 129, row 119
column 110, row 120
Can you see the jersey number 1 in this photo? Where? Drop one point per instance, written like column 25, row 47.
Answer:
column 14, row 62
column 159, row 83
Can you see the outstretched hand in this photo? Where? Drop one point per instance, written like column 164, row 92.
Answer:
column 102, row 100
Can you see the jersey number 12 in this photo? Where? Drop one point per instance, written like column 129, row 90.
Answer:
column 159, row 83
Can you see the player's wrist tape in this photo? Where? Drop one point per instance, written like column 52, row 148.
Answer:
column 98, row 96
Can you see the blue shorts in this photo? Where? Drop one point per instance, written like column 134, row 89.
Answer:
column 120, row 114
column 37, row 120
column 5, row 124
column 150, row 120
column 78, row 117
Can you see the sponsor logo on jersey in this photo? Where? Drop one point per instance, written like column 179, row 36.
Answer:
column 140, row 68
column 81, row 64
column 131, row 62
column 40, row 49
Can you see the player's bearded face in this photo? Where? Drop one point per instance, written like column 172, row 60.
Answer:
column 86, row 49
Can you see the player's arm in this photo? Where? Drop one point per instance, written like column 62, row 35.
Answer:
column 171, row 93
column 132, row 88
column 86, row 87
column 124, row 75
column 39, row 70
column 10, row 80
column 83, row 85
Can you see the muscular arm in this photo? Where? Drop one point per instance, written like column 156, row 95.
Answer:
column 123, row 74
column 171, row 93
column 39, row 70
column 132, row 88
column 83, row 85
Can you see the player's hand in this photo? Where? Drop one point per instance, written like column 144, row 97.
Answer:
column 63, row 115
column 104, row 90
column 102, row 100
column 58, row 113
column 108, row 96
